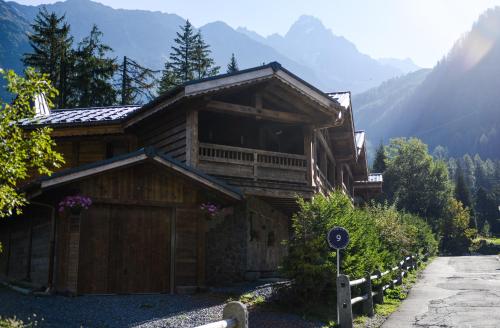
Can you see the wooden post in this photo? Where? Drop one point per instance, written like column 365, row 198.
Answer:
column 237, row 311
column 192, row 142
column 344, row 306
column 400, row 274
column 379, row 297
column 367, row 290
column 308, row 152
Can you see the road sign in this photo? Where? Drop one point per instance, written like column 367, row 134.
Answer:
column 338, row 238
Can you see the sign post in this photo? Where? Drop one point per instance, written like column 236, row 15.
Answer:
column 338, row 238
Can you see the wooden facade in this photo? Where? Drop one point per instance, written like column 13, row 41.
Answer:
column 250, row 142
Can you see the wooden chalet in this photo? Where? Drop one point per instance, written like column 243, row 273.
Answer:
column 249, row 142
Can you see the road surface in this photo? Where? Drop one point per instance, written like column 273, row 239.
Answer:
column 459, row 292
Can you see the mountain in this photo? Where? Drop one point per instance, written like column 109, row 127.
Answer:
column 13, row 41
column 404, row 65
column 375, row 109
column 309, row 42
column 308, row 49
column 455, row 105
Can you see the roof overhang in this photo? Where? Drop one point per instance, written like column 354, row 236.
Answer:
column 325, row 104
column 142, row 155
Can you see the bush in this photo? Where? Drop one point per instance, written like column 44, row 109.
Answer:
column 456, row 235
column 379, row 237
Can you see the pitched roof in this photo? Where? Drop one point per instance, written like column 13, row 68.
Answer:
column 81, row 116
column 360, row 141
column 72, row 174
column 375, row 177
column 332, row 103
column 343, row 98
column 224, row 81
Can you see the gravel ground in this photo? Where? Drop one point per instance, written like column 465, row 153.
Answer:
column 135, row 311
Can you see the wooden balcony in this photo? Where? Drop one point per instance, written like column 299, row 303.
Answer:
column 252, row 164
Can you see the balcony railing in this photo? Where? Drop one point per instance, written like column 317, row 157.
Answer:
column 252, row 163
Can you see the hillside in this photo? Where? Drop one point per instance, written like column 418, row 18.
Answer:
column 13, row 41
column 456, row 105
column 328, row 61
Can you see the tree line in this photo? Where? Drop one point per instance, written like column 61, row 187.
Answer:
column 437, row 188
column 86, row 74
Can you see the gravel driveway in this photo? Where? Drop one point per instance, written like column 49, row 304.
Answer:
column 133, row 311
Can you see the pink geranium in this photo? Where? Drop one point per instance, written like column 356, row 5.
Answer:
column 75, row 202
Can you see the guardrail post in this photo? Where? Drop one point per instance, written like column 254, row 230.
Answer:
column 379, row 297
column 400, row 274
column 344, row 306
column 237, row 311
column 367, row 290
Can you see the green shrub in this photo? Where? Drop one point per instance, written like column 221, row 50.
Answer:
column 379, row 237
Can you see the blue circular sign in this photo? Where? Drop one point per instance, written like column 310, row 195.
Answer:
column 338, row 238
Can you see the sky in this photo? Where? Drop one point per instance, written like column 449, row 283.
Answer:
column 423, row 30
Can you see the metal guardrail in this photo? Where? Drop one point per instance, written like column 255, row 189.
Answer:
column 234, row 315
column 369, row 294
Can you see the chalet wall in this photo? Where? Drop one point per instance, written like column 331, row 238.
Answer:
column 25, row 241
column 226, row 250
column 166, row 132
column 247, row 243
column 267, row 229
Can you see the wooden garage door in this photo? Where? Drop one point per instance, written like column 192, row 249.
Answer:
column 125, row 249
column 189, row 247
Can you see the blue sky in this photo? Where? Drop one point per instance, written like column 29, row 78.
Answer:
column 423, row 30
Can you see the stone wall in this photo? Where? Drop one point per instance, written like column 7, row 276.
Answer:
column 268, row 228
column 226, row 247
column 245, row 244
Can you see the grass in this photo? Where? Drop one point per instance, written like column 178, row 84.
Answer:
column 392, row 300
column 492, row 240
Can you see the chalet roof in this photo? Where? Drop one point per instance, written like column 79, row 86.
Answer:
column 360, row 137
column 248, row 76
column 72, row 174
column 375, row 177
column 81, row 116
column 343, row 98
column 333, row 103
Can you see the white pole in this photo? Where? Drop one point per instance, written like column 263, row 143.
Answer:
column 338, row 262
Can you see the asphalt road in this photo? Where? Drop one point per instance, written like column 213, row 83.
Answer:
column 453, row 292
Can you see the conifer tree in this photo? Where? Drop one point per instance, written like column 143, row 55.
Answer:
column 379, row 164
column 233, row 65
column 52, row 53
column 181, row 57
column 462, row 192
column 190, row 59
column 137, row 83
column 92, row 83
column 203, row 64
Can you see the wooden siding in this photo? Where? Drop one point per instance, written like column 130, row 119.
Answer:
column 190, row 248
column 123, row 242
column 25, row 242
column 167, row 133
column 125, row 250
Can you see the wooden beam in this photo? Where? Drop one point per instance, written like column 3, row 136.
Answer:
column 86, row 130
column 192, row 142
column 272, row 115
column 325, row 145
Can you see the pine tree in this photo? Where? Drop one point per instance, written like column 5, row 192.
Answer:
column 203, row 64
column 181, row 57
column 380, row 164
column 190, row 59
column 462, row 192
column 52, row 54
column 233, row 65
column 94, row 71
column 136, row 82
column 169, row 79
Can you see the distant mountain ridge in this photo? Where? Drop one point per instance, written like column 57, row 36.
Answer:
column 456, row 105
column 328, row 61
